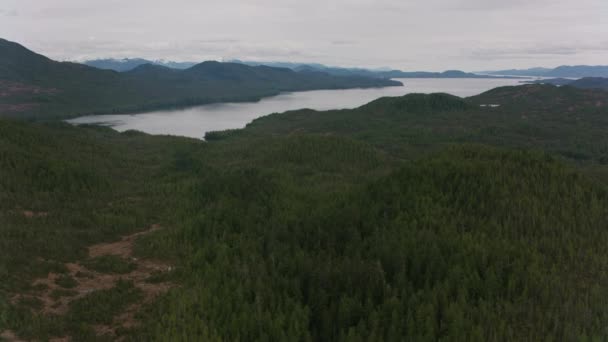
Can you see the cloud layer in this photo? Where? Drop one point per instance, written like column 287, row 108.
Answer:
column 407, row 34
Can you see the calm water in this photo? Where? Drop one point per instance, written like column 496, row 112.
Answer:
column 195, row 121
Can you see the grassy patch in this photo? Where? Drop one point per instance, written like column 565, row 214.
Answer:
column 80, row 274
column 100, row 307
column 58, row 293
column 30, row 302
column 40, row 287
column 110, row 264
column 66, row 281
column 160, row 277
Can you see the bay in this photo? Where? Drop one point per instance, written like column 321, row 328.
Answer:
column 196, row 121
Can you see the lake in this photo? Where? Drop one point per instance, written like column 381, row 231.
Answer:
column 196, row 121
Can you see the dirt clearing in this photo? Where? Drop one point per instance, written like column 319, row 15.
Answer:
column 55, row 296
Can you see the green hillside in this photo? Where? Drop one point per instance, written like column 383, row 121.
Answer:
column 591, row 83
column 423, row 218
column 563, row 120
column 35, row 87
column 582, row 83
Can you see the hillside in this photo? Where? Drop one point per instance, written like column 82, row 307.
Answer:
column 35, row 87
column 591, row 83
column 380, row 223
column 334, row 225
column 582, row 83
column 564, row 120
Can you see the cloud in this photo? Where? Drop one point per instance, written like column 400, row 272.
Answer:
column 343, row 42
column 538, row 51
column 430, row 34
column 490, row 5
column 191, row 50
column 8, row 13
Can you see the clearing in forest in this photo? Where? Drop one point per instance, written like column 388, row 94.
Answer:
column 108, row 266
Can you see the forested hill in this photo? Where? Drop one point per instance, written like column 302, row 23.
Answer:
column 583, row 83
column 33, row 86
column 565, row 120
column 382, row 223
column 591, row 83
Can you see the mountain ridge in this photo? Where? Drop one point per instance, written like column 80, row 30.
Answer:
column 127, row 64
column 35, row 87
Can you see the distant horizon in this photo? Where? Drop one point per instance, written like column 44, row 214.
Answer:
column 244, row 60
column 226, row 60
column 82, row 59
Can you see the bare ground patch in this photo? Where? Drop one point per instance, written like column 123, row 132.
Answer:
column 32, row 214
column 9, row 336
column 56, row 299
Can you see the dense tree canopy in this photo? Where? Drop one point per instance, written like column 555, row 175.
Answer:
column 395, row 221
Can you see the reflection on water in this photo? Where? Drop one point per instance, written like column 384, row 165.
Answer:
column 196, row 121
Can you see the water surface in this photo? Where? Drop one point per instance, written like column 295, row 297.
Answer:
column 196, row 121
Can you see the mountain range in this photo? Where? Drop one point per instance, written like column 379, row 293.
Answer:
column 34, row 86
column 565, row 71
column 573, row 71
column 128, row 64
column 380, row 73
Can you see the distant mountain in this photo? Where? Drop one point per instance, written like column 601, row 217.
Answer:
column 583, row 83
column 518, row 72
column 288, row 65
column 33, row 86
column 426, row 74
column 577, row 71
column 128, row 64
column 120, row 65
column 316, row 67
column 580, row 71
column 378, row 73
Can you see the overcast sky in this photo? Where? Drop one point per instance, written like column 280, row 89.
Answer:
column 407, row 34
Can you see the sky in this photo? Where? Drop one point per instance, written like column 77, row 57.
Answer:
column 436, row 35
